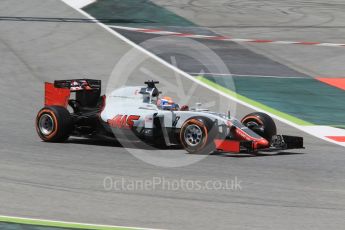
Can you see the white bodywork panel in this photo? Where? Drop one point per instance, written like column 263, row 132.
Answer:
column 130, row 102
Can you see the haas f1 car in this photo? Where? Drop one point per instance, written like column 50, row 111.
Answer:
column 139, row 113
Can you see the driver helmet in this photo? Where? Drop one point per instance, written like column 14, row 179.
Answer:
column 166, row 103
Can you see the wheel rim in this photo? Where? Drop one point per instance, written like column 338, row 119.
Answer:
column 193, row 135
column 46, row 124
column 255, row 125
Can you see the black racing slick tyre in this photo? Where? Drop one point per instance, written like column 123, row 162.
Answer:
column 261, row 123
column 54, row 124
column 197, row 135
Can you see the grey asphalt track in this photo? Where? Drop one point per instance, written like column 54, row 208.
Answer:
column 301, row 189
column 288, row 20
column 238, row 59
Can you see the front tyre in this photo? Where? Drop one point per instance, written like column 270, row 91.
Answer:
column 261, row 123
column 54, row 124
column 197, row 136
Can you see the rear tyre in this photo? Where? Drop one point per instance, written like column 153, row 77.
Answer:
column 197, row 135
column 261, row 123
column 54, row 124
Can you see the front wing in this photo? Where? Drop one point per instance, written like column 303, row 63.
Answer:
column 278, row 142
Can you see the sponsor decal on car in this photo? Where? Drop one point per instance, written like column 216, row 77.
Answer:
column 123, row 121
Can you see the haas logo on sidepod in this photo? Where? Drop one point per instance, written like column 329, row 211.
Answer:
column 123, row 121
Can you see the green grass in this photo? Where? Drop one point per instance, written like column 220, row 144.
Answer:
column 20, row 222
column 254, row 103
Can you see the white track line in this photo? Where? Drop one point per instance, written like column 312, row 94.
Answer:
column 177, row 70
column 13, row 218
column 80, row 3
column 244, row 75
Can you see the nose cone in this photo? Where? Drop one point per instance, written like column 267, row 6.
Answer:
column 262, row 143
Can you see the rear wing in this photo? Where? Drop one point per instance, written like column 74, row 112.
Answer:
column 87, row 92
column 78, row 84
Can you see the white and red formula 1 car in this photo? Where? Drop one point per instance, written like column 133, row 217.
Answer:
column 139, row 113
